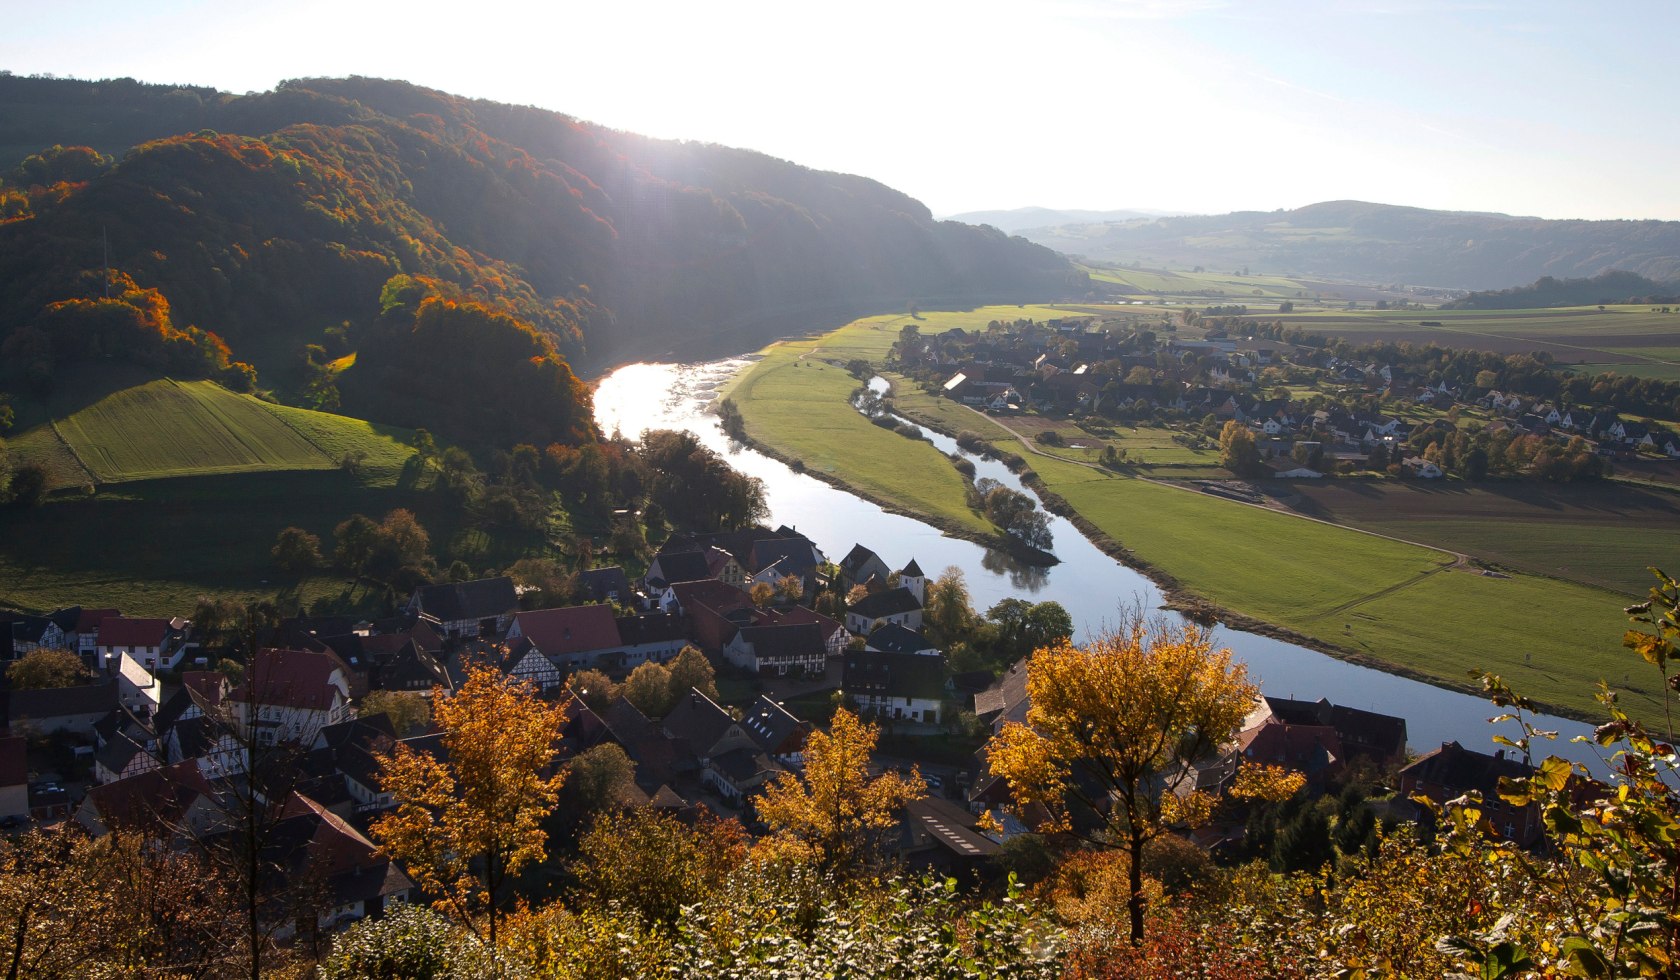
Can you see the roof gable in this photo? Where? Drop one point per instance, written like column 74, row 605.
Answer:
column 480, row 599
column 570, row 629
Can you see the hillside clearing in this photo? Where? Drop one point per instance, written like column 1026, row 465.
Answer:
column 163, row 428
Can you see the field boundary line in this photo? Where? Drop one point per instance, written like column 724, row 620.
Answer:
column 91, row 475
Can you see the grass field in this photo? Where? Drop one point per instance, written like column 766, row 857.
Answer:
column 1625, row 339
column 1395, row 602
column 169, row 428
column 1602, row 535
column 798, row 405
column 160, row 428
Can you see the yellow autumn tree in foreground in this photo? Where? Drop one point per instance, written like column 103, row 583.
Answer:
column 837, row 809
column 470, row 817
column 1112, row 730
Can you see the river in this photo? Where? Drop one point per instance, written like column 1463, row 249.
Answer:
column 1094, row 588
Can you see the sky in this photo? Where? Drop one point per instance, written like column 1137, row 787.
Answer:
column 1532, row 107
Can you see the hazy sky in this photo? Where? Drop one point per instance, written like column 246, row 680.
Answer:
column 1528, row 107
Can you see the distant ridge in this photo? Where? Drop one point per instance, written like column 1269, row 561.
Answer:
column 1365, row 242
column 1016, row 220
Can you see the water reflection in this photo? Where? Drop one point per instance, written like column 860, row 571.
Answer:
column 1093, row 587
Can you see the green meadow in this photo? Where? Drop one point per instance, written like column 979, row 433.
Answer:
column 1395, row 603
column 798, row 405
column 163, row 428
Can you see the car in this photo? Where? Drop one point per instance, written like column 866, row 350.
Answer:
column 933, row 782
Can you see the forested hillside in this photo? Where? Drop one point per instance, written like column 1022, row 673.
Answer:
column 245, row 228
column 1382, row 243
column 1601, row 290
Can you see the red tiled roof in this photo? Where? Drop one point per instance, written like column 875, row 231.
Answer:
column 120, row 631
column 206, row 686
column 295, row 678
column 799, row 614
column 157, row 797
column 718, row 596
column 90, row 619
column 573, row 629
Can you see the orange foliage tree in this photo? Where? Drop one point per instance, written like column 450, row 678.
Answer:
column 468, row 820
column 836, row 811
column 1112, row 732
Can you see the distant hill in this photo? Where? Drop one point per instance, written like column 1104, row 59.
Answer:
column 1603, row 289
column 243, row 228
column 1018, row 220
column 1353, row 240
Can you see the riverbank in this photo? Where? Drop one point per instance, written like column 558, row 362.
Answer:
column 1405, row 609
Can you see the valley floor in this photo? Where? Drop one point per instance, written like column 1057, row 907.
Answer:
column 1374, row 571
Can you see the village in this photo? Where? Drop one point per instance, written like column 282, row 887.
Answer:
column 160, row 735
column 1312, row 412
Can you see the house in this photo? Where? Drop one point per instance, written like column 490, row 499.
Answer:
column 355, row 746
column 1421, row 468
column 655, row 637
column 138, row 689
column 888, row 638
column 573, row 637
column 128, row 751
column 939, row 836
column 711, row 611
column 778, row 733
column 1369, row 734
column 62, row 710
column 31, row 633
column 356, row 879
column 481, row 608
column 1284, row 468
column 731, row 760
column 861, row 565
column 171, row 804
column 905, row 686
column 796, row 648
column 289, row 696
column 1453, row 770
column 155, row 644
column 899, row 607
column 773, row 559
column 411, row 668
column 1314, row 750
column 669, row 568
column 608, row 584
column 86, row 633
column 1005, row 700
column 835, row 635
column 522, row 661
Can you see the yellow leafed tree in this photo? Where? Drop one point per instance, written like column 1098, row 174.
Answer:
column 837, row 810
column 468, row 821
column 1112, row 730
